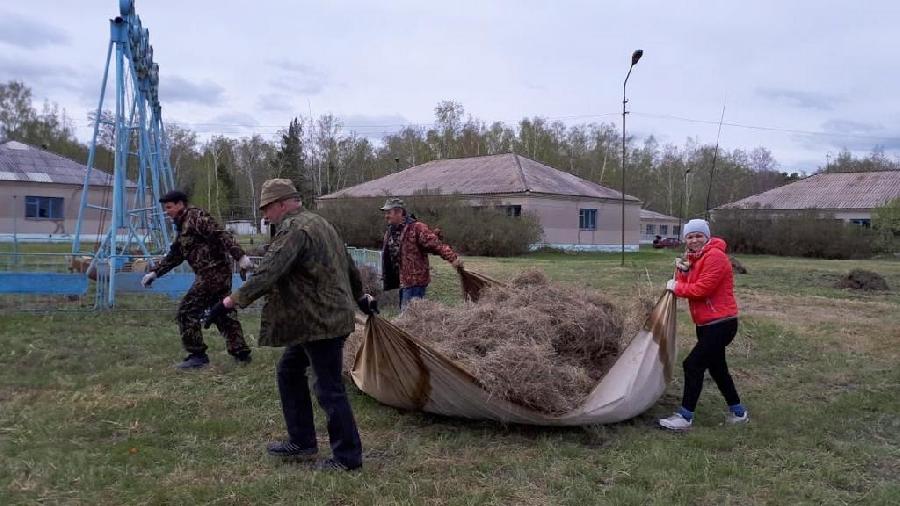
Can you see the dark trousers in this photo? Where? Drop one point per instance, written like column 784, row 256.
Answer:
column 709, row 353
column 325, row 358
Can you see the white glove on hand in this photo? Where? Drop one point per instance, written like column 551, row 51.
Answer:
column 148, row 279
column 457, row 264
column 246, row 264
column 670, row 285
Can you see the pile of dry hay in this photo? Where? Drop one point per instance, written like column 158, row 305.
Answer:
column 534, row 343
column 861, row 279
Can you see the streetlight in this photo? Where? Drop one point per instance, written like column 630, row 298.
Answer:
column 635, row 57
column 683, row 210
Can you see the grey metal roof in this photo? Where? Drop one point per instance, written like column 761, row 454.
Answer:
column 647, row 214
column 847, row 190
column 21, row 162
column 481, row 175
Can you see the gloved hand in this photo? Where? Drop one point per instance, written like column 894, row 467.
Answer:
column 457, row 264
column 670, row 285
column 211, row 315
column 245, row 265
column 682, row 264
column 148, row 279
column 367, row 304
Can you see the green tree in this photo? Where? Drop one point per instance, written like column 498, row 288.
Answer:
column 16, row 110
column 886, row 223
column 290, row 160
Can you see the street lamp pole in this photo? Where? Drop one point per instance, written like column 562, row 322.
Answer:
column 635, row 56
column 683, row 210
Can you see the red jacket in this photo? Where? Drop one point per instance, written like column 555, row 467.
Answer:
column 709, row 284
column 416, row 242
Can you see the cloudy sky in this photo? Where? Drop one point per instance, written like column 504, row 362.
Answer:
column 802, row 78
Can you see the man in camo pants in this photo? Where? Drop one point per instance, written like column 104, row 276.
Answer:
column 207, row 247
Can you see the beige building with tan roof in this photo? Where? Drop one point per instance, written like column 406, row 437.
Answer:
column 40, row 195
column 848, row 196
column 575, row 214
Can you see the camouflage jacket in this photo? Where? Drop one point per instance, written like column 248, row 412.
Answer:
column 309, row 280
column 416, row 242
column 203, row 243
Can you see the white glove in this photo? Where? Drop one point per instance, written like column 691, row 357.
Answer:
column 148, row 279
column 670, row 285
column 246, row 264
column 457, row 264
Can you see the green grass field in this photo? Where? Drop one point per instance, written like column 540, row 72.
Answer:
column 91, row 411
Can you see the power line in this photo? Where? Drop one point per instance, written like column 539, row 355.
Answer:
column 386, row 129
column 767, row 128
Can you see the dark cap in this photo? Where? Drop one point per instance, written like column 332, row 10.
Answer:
column 174, row 196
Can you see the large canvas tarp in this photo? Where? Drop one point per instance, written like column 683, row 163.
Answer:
column 401, row 370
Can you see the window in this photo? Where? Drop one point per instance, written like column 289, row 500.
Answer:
column 863, row 222
column 512, row 211
column 663, row 230
column 50, row 208
column 650, row 229
column 587, row 219
column 676, row 230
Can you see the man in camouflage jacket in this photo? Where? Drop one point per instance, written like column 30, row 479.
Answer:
column 407, row 243
column 310, row 283
column 208, row 249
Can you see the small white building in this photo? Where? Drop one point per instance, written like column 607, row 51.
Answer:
column 655, row 224
column 241, row 227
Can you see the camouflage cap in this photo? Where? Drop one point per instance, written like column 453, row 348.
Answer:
column 274, row 190
column 393, row 203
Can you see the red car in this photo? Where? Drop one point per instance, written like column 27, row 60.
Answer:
column 668, row 242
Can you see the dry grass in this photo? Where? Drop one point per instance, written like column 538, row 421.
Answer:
column 534, row 343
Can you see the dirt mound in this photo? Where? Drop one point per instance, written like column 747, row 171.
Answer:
column 861, row 279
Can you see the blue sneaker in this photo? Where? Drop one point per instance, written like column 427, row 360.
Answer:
column 194, row 361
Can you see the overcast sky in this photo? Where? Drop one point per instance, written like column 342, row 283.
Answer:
column 817, row 75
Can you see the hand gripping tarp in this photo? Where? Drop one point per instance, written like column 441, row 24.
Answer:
column 401, row 370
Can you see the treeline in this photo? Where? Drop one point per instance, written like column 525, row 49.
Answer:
column 321, row 156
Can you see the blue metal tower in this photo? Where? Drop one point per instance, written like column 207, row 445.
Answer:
column 142, row 171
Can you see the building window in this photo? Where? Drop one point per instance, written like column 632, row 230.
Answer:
column 513, row 211
column 587, row 219
column 650, row 229
column 676, row 230
column 663, row 230
column 50, row 208
column 863, row 222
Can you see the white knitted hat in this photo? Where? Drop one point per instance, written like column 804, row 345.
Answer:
column 696, row 225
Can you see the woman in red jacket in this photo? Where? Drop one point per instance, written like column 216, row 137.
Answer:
column 705, row 278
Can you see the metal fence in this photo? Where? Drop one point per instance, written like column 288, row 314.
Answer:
column 65, row 282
